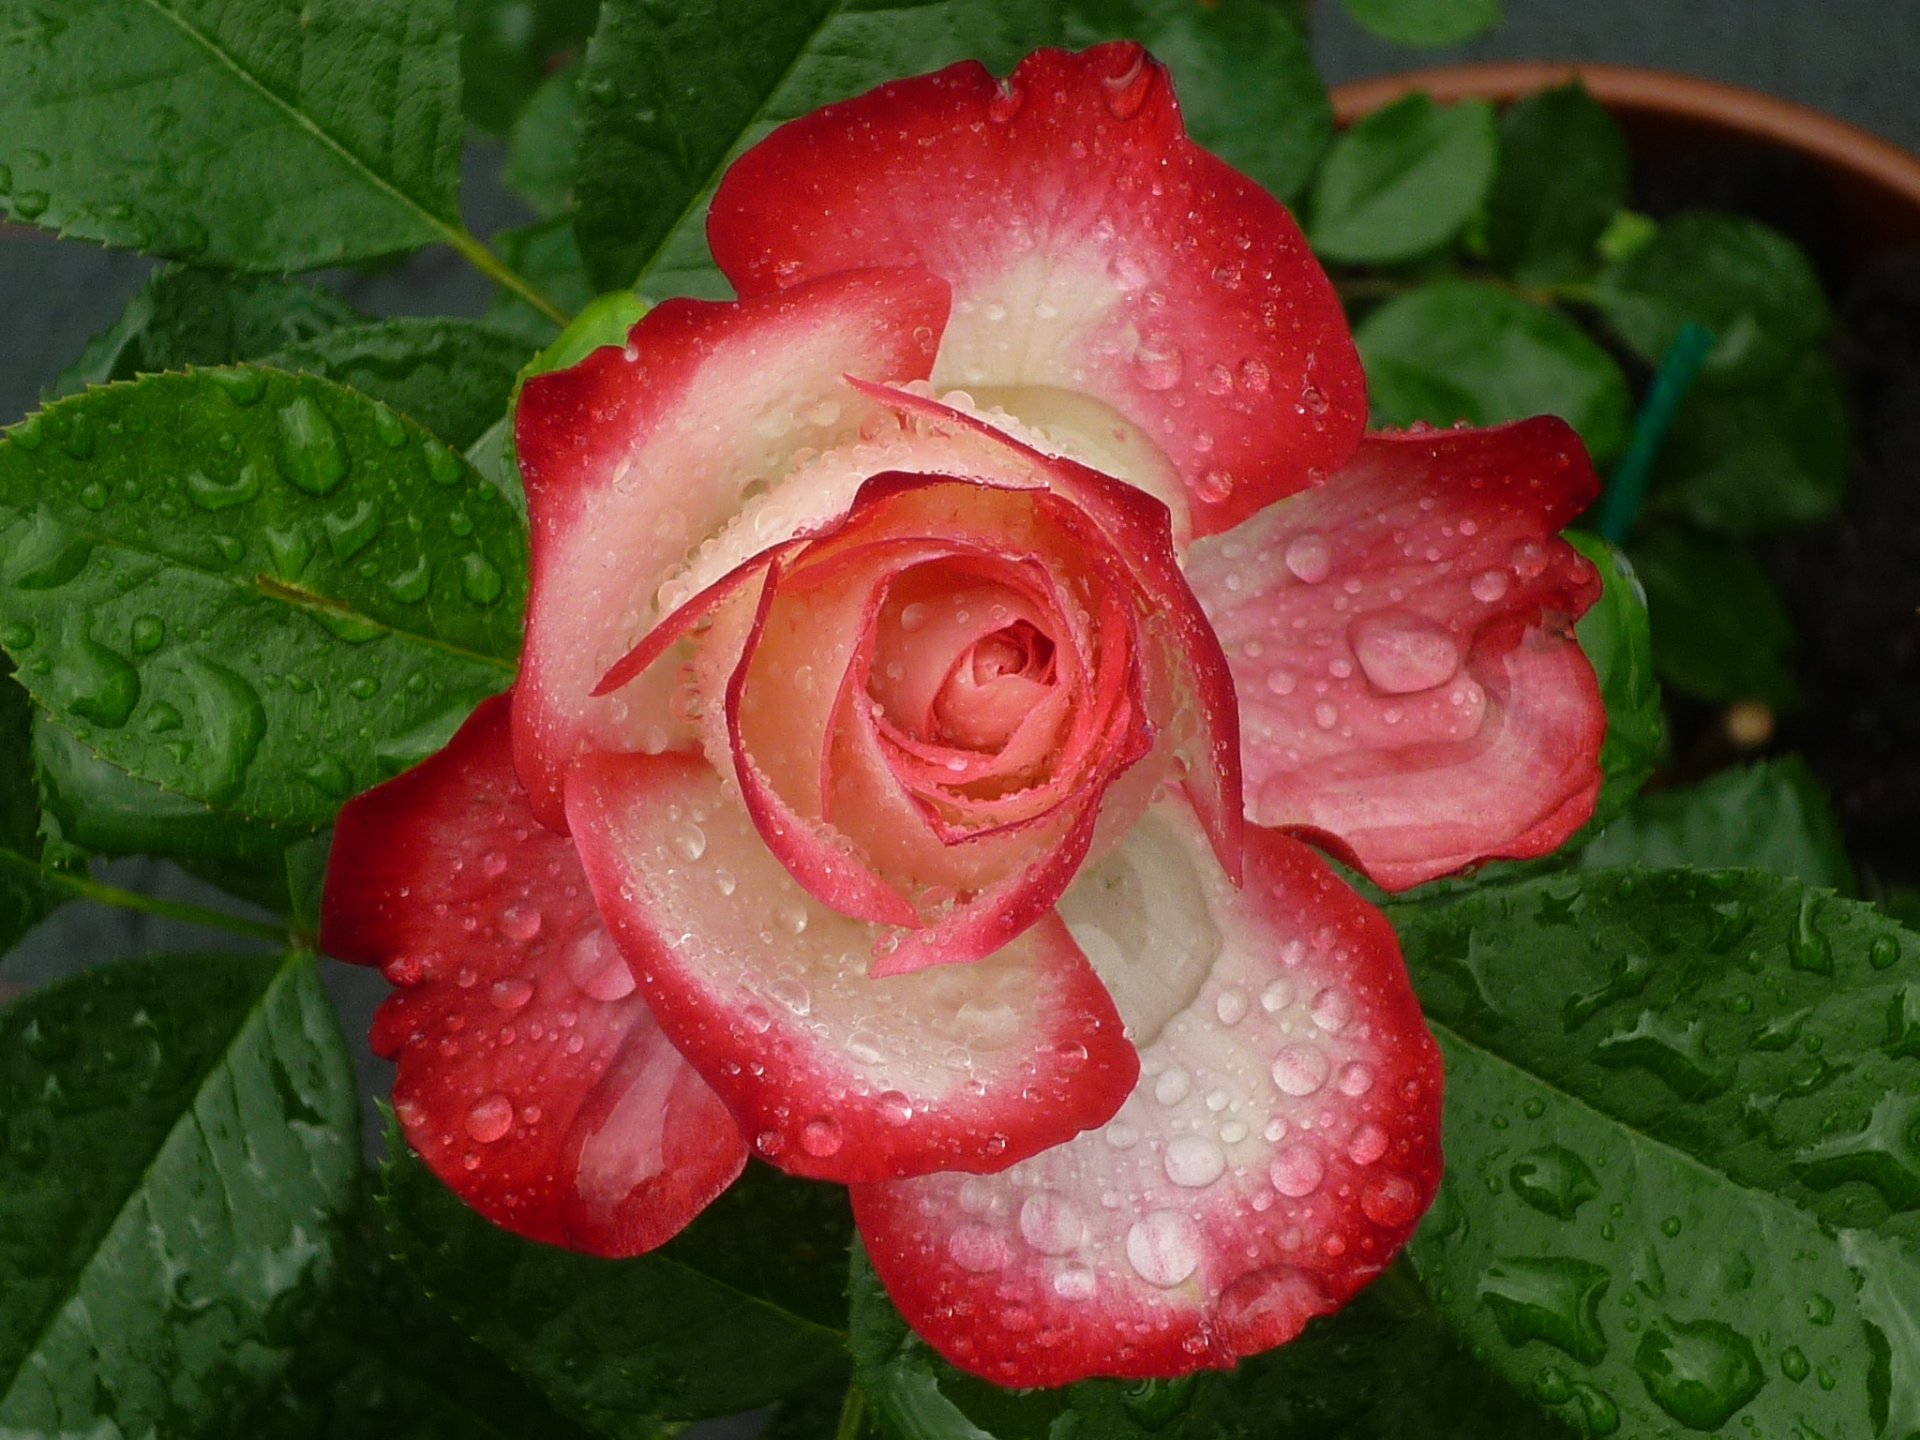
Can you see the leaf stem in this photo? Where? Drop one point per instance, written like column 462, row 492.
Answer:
column 83, row 887
column 853, row 1413
column 476, row 254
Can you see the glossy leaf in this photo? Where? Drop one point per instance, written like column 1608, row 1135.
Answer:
column 1750, row 286
column 1403, row 182
column 544, row 142
column 182, row 1139
column 674, row 92
column 507, row 49
column 1380, row 1367
column 1562, row 178
column 185, row 317
column 1720, row 630
column 1760, row 457
column 1683, row 1190
column 1248, row 88
column 1425, row 22
column 740, row 1309
column 1771, row 816
column 451, row 375
column 242, row 134
column 1459, row 350
column 1616, row 639
column 25, row 895
column 260, row 591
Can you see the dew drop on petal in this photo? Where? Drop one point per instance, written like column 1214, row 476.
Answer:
column 511, row 993
column 520, row 923
column 1389, row 1200
column 595, row 965
column 1308, row 557
column 1300, row 1070
column 1163, row 1249
column 820, row 1136
column 980, row 1249
column 1193, row 1161
column 490, row 1119
column 1074, row 1282
column 1297, row 1171
column 1051, row 1223
column 1401, row 653
column 1489, row 586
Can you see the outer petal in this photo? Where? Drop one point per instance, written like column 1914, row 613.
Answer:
column 533, row 1079
column 633, row 457
column 766, row 990
column 1281, row 1144
column 1094, row 252
column 1411, row 692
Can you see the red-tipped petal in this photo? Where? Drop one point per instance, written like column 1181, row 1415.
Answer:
column 1281, row 1144
column 533, row 1079
column 1411, row 691
column 835, row 1074
column 635, row 456
column 1093, row 250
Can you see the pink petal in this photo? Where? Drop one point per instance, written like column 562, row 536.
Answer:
column 533, row 1078
column 1282, row 1142
column 1106, row 272
column 1412, row 695
column 835, row 1074
column 633, row 457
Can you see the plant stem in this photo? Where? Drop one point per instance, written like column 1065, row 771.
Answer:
column 475, row 252
column 83, row 887
column 853, row 1413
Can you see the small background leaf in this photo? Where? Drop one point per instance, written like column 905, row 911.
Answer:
column 1720, row 630
column 1562, row 178
column 508, row 48
column 1460, row 350
column 1425, row 22
column 238, row 134
column 1403, row 182
column 182, row 1142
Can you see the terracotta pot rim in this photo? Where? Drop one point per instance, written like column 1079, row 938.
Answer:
column 1709, row 103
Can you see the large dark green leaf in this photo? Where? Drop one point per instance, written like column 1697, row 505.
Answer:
column 182, row 1140
column 1751, row 287
column 1562, row 178
column 1460, row 350
column 1683, row 1150
column 1248, row 87
column 547, row 253
column 259, row 134
column 1759, row 457
column 451, row 375
column 25, row 895
column 1380, row 1368
column 185, row 317
column 1403, row 182
column 1617, row 640
column 383, row 1359
column 545, row 139
column 1772, row 816
column 1425, row 22
column 742, row 1308
column 261, row 591
column 673, row 92
column 507, row 48
column 1720, row 630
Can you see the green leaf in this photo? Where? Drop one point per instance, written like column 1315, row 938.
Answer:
column 25, row 896
column 1764, row 456
column 451, row 375
column 507, row 48
column 183, row 1138
column 1459, row 350
column 383, row 1359
column 1750, row 286
column 1616, row 639
column 547, row 254
column 260, row 591
column 1562, row 179
column 740, row 1309
column 1248, row 87
column 252, row 134
column 674, row 92
column 185, row 317
column 1772, row 816
column 544, row 142
column 1720, row 630
column 1381, row 1367
column 1425, row 22
column 1404, row 181
column 1683, row 1150
column 101, row 809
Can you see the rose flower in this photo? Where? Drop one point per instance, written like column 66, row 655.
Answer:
column 936, row 659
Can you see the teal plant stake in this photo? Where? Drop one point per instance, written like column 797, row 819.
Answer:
column 1679, row 368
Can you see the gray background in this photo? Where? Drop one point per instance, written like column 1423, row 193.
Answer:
column 1857, row 59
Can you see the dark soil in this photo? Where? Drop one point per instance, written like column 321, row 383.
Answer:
column 1852, row 583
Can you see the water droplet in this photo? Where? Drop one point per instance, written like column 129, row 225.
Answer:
column 411, row 585
column 480, row 581
column 30, row 204
column 1882, row 953
column 980, row 1249
column 1193, row 1161
column 820, row 1136
column 388, row 426
column 1807, row 948
column 147, row 633
column 894, row 1108
column 46, row 556
column 1075, row 1282
column 689, row 841
column 1297, row 1171
column 1309, row 557
column 520, row 923
column 1554, row 1181
column 1401, row 653
column 1173, row 1085
column 1390, row 1201
column 1489, row 586
column 105, row 684
column 312, row 454
column 1300, row 1070
column 595, row 965
column 1368, row 1144
column 1793, row 1364
column 1885, row 1154
column 490, row 1119
column 328, row 774
column 243, row 385
column 1551, row 1298
column 291, row 548
column 443, row 466
column 1701, row 1372
column 351, row 530
column 94, row 496
column 1163, row 1248
column 1158, row 363
column 1231, row 1006
column 1051, row 1223
column 1127, row 89
column 511, row 993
